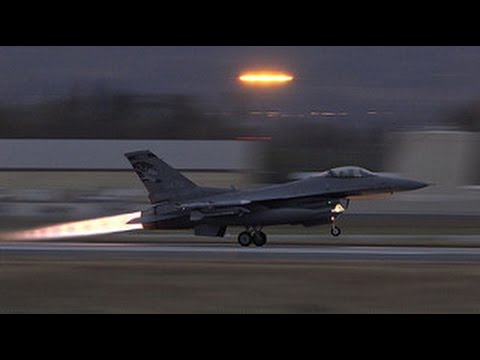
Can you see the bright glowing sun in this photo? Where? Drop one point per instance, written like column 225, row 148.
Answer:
column 265, row 78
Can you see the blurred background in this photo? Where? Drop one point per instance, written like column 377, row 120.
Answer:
column 68, row 114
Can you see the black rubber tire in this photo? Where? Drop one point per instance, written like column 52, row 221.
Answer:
column 244, row 238
column 335, row 231
column 259, row 238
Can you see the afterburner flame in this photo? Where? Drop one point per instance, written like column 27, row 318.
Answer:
column 98, row 226
column 265, row 78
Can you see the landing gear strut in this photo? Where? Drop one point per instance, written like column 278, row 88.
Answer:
column 255, row 235
column 335, row 231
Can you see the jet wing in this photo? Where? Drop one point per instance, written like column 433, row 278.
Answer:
column 214, row 204
column 202, row 209
column 246, row 200
column 196, row 211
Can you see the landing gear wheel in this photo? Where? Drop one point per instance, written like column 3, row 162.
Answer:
column 335, row 231
column 259, row 238
column 244, row 238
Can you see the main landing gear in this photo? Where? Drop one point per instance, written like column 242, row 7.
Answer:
column 255, row 236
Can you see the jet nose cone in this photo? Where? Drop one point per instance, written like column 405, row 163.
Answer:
column 412, row 185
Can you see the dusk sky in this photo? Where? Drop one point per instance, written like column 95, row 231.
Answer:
column 413, row 81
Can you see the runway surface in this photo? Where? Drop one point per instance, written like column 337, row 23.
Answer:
column 291, row 274
column 271, row 251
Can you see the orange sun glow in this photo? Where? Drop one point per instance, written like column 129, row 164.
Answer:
column 265, row 78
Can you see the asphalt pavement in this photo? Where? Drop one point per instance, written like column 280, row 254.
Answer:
column 270, row 251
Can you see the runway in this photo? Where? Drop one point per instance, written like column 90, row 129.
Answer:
column 288, row 275
column 271, row 251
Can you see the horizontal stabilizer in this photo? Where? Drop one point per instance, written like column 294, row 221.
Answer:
column 145, row 219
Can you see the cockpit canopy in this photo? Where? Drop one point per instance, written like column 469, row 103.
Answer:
column 349, row 172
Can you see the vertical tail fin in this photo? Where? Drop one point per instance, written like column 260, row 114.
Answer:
column 161, row 180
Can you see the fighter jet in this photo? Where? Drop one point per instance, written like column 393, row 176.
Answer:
column 178, row 203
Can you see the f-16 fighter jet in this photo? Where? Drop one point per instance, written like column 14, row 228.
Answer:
column 178, row 203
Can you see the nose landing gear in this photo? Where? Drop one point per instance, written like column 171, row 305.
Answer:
column 335, row 231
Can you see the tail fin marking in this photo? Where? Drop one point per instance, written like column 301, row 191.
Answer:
column 161, row 180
